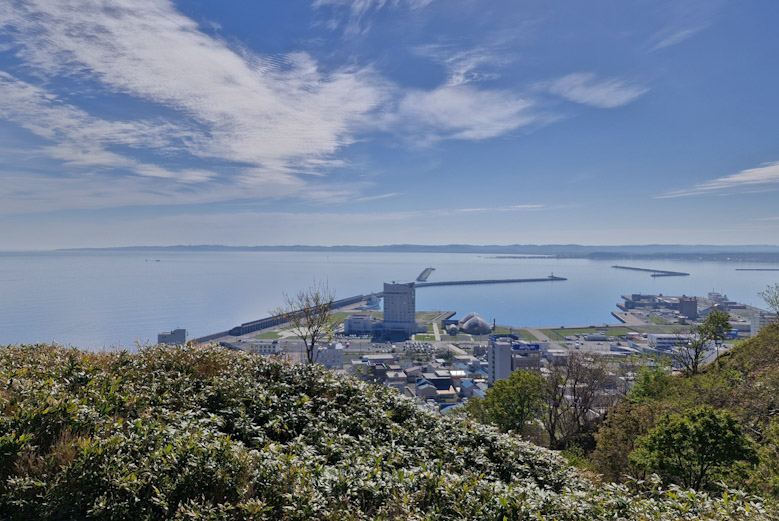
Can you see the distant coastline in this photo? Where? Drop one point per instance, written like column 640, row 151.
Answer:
column 736, row 253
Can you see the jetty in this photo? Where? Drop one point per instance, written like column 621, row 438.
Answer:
column 486, row 281
column 654, row 272
column 757, row 269
column 425, row 274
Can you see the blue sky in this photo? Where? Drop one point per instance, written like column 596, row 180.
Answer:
column 388, row 121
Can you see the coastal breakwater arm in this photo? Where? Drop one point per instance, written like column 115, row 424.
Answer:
column 487, row 281
column 425, row 274
column 655, row 273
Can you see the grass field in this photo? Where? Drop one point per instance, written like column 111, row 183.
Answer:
column 269, row 335
column 560, row 334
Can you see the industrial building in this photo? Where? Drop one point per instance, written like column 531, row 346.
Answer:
column 175, row 337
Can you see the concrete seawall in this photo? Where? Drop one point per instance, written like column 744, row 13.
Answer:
column 487, row 281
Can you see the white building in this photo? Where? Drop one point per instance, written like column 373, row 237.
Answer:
column 358, row 324
column 266, row 348
column 761, row 320
column 668, row 341
column 332, row 357
column 498, row 359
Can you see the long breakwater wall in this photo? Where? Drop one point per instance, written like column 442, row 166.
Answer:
column 487, row 281
column 655, row 273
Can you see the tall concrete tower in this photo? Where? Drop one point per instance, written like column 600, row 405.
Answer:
column 399, row 303
column 399, row 313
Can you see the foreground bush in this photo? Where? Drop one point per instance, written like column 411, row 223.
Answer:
column 202, row 433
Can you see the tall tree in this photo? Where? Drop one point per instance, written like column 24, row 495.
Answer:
column 690, row 449
column 310, row 312
column 514, row 401
column 690, row 351
column 715, row 328
column 573, row 391
column 771, row 296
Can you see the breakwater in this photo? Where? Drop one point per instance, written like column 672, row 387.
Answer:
column 487, row 281
column 275, row 320
column 654, row 272
column 425, row 274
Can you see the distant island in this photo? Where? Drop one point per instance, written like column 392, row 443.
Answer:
column 735, row 253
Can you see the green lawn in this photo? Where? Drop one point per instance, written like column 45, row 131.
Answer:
column 560, row 334
column 269, row 334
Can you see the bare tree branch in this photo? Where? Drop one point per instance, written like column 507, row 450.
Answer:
column 310, row 314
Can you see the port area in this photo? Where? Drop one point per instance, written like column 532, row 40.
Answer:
column 654, row 272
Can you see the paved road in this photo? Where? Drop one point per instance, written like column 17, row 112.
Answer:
column 436, row 332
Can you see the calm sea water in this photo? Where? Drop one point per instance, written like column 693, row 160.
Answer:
column 111, row 299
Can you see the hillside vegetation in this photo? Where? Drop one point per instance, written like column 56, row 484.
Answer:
column 743, row 383
column 202, row 433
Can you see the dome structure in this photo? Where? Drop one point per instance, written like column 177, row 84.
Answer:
column 474, row 324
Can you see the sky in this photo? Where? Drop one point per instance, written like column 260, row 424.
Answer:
column 369, row 122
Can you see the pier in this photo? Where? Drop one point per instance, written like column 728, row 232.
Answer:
column 487, row 281
column 425, row 274
column 655, row 273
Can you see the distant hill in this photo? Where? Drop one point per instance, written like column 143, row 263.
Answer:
column 202, row 433
column 741, row 253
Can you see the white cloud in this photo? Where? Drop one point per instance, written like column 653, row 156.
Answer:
column 767, row 173
column 683, row 20
column 467, row 66
column 273, row 114
column 360, row 10
column 377, row 197
column 502, row 208
column 668, row 38
column 463, row 112
column 587, row 89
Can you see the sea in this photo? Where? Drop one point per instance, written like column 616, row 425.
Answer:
column 122, row 299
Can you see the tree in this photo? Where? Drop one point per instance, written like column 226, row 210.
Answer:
column 616, row 438
column 514, row 401
column 690, row 351
column 574, row 389
column 715, row 328
column 310, row 313
column 652, row 381
column 771, row 296
column 689, row 449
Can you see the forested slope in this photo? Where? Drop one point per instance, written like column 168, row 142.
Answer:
column 204, row 433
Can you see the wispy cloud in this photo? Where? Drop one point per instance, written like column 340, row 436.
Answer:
column 670, row 37
column 462, row 112
column 767, row 173
column 468, row 65
column 502, row 208
column 257, row 120
column 377, row 197
column 684, row 19
column 588, row 89
column 361, row 10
